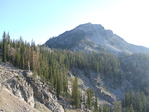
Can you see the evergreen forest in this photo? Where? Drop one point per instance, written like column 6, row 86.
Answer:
column 52, row 66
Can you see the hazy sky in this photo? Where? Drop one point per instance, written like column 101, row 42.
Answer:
column 41, row 19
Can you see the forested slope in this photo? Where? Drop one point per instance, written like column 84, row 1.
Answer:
column 95, row 81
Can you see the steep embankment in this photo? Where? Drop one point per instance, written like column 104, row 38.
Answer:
column 12, row 103
column 23, row 94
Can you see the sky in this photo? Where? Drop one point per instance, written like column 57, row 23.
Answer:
column 40, row 20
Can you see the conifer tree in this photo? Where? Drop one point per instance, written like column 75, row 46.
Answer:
column 96, row 105
column 106, row 108
column 100, row 109
column 4, row 50
column 59, row 85
column 90, row 94
column 117, row 106
column 132, row 110
column 65, row 84
column 75, row 93
column 8, row 45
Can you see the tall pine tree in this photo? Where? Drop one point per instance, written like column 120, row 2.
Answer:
column 96, row 104
column 75, row 93
column 117, row 106
column 4, row 47
column 90, row 95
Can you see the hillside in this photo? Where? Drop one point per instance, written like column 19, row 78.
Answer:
column 57, row 80
column 17, row 95
column 21, row 87
column 93, row 37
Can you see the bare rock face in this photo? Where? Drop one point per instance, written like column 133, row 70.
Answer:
column 26, row 88
column 11, row 103
column 20, row 88
column 47, row 98
column 90, row 79
column 12, row 78
column 21, row 84
column 41, row 92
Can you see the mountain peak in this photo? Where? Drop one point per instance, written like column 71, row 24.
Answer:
column 85, row 24
column 93, row 37
column 89, row 26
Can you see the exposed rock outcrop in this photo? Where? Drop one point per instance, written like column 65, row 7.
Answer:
column 41, row 92
column 90, row 79
column 21, row 88
column 22, row 85
column 12, row 103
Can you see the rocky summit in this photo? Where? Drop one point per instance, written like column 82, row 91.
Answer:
column 93, row 37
